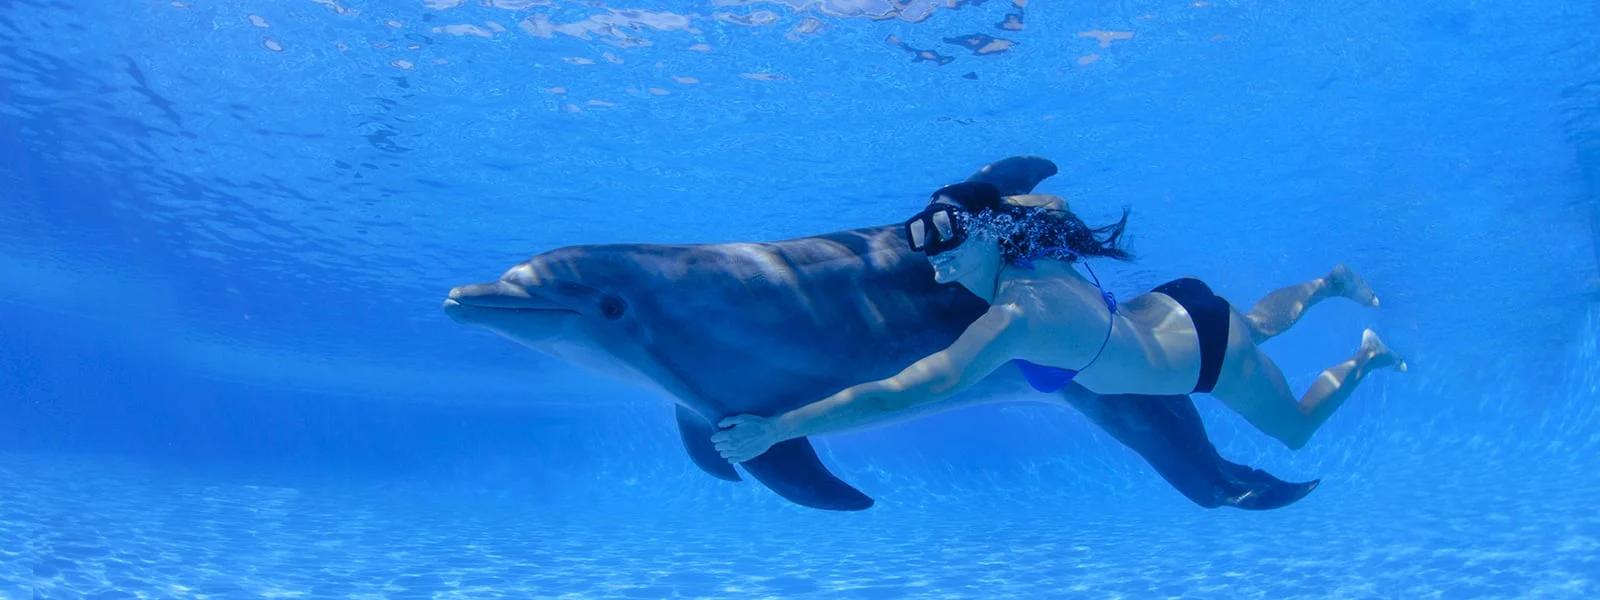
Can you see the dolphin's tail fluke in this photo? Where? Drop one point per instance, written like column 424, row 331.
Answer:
column 1170, row 436
column 1260, row 490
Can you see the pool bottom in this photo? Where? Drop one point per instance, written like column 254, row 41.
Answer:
column 107, row 528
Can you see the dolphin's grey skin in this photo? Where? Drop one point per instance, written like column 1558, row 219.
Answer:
column 762, row 328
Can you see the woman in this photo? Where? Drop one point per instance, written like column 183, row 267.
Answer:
column 1058, row 327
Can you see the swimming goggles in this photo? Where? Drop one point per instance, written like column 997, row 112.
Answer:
column 943, row 225
column 937, row 229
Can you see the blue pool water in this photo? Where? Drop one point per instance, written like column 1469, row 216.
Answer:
column 226, row 230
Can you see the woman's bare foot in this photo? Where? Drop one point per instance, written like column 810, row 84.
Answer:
column 1346, row 283
column 1381, row 355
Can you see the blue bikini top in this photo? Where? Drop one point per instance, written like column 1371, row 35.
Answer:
column 1052, row 379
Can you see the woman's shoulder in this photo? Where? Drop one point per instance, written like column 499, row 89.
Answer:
column 1044, row 273
column 1048, row 286
column 1029, row 288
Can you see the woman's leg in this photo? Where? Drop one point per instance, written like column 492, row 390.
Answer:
column 1281, row 309
column 1253, row 386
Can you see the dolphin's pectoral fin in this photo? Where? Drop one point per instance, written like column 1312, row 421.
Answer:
column 792, row 470
column 696, row 434
column 1016, row 175
column 1260, row 490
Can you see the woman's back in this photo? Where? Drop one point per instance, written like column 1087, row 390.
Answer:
column 1150, row 342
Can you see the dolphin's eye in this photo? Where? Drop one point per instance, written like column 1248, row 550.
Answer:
column 612, row 308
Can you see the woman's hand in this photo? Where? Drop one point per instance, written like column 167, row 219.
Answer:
column 746, row 437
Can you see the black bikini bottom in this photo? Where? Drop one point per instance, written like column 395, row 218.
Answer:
column 1210, row 315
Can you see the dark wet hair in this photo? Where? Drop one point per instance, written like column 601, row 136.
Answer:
column 1030, row 232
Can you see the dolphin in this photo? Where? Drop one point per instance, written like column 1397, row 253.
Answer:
column 764, row 327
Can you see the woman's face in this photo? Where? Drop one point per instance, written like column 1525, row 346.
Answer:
column 952, row 265
column 970, row 258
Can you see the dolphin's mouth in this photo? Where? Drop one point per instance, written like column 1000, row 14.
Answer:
column 452, row 303
column 498, row 296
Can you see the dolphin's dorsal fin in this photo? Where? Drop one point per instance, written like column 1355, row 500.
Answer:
column 1016, row 175
column 1038, row 200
